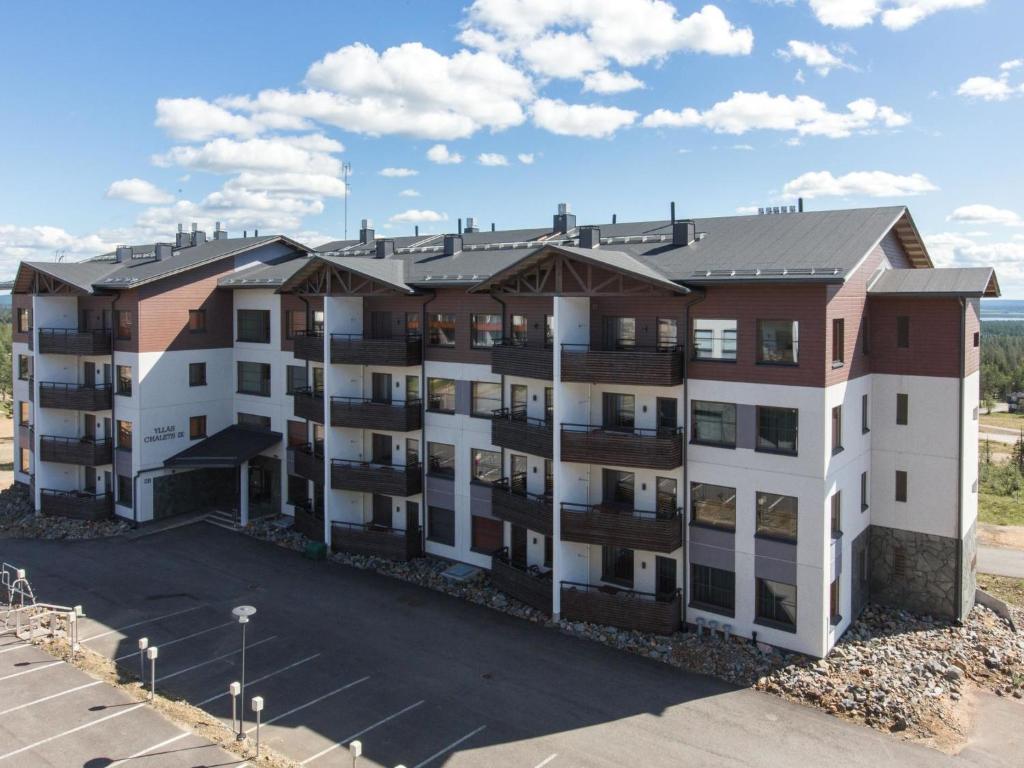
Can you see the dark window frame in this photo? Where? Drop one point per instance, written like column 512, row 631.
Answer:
column 763, row 411
column 702, row 498
column 902, row 486
column 441, row 465
column 490, row 403
column 614, row 557
column 124, row 383
column 483, row 339
column 793, row 349
column 704, row 590
column 771, row 608
column 864, row 492
column 902, row 409
column 836, row 514
column 291, row 384
column 837, row 429
column 838, row 343
column 437, row 403
column 726, row 425
column 265, row 374
column 253, row 326
column 197, row 321
column 436, row 331
column 123, row 325
column 446, row 535
column 762, row 511
column 494, row 462
column 124, row 434
column 195, row 380
column 865, row 421
column 197, row 421
column 903, row 332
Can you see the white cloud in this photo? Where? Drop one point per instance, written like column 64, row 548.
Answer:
column 857, row 184
column 980, row 213
column 397, row 173
column 1008, row 66
column 561, row 55
column 746, row 210
column 298, row 184
column 46, row 243
column 414, row 216
column 526, row 158
column 409, row 193
column 816, row 56
column 590, row 120
column 951, row 249
column 491, row 158
column 197, row 119
column 807, row 116
column 138, row 191
column 743, row 147
column 279, row 154
column 993, row 88
column 895, row 14
column 439, row 154
column 604, row 81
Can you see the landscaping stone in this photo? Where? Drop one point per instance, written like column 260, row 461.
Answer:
column 18, row 519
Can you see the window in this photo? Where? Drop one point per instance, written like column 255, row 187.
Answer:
column 24, row 367
column 833, row 602
column 254, row 379
column 714, row 423
column 863, row 491
column 412, row 451
column 618, row 487
column 519, row 329
column 253, row 420
column 441, row 525
column 666, row 498
column 298, row 489
column 838, row 350
column 902, row 408
column 24, row 413
column 196, row 427
column 549, row 478
column 486, row 466
column 777, row 341
column 123, row 327
column 412, row 323
column 776, row 516
column 485, row 330
column 668, row 333
column 124, row 491
column 549, row 404
column 865, row 425
column 441, row 329
column 777, row 430
column 318, row 438
column 977, row 339
column 254, row 325
column 318, row 380
column 903, row 332
column 837, row 515
column 441, row 459
column 713, row 588
column 487, row 534
column 24, row 320
column 486, row 398
column 713, row 505
column 549, row 330
column 124, row 380
column 837, row 429
column 441, row 395
column 25, row 461
column 776, row 604
column 619, row 411
column 124, row 435
column 901, row 485
column 412, row 388
column 296, row 379
column 617, row 565
column 197, row 374
column 518, row 396
column 619, row 332
column 317, row 326
column 197, row 321
column 294, row 323
column 549, row 551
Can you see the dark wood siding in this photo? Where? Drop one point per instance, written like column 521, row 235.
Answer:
column 646, row 310
column 456, row 301
column 934, row 336
column 161, row 321
column 20, row 301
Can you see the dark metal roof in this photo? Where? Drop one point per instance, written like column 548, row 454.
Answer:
column 264, row 275
column 81, row 274
column 947, row 281
column 228, row 448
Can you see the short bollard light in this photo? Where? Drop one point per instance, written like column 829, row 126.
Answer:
column 257, row 707
column 355, row 748
column 233, row 690
column 73, row 632
column 151, row 654
column 143, row 645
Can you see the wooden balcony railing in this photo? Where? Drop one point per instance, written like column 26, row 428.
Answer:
column 74, row 397
column 625, row 608
column 308, row 462
column 365, row 413
column 80, row 505
column 623, row 447
column 515, row 359
column 619, row 525
column 355, row 349
column 375, row 541
column 308, row 404
column 528, row 584
column 660, row 366
column 511, row 428
column 309, row 345
column 511, row 502
column 387, row 479
column 68, row 341
column 75, row 450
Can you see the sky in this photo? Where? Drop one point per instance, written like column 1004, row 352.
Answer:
column 120, row 120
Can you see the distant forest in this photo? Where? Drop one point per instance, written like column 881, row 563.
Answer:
column 1002, row 358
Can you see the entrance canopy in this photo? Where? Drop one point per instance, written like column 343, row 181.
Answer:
column 228, row 448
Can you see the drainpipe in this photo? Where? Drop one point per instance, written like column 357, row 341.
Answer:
column 424, row 394
column 504, row 308
column 113, row 409
column 959, row 613
column 686, row 442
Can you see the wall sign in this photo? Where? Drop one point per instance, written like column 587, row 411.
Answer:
column 169, row 432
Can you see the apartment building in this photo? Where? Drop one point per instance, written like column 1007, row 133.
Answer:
column 749, row 422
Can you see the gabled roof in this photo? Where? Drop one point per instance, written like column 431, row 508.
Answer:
column 80, row 275
column 389, row 272
column 946, row 281
column 263, row 275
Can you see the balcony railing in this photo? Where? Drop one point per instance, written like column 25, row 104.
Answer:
column 659, row 366
column 375, row 541
column 80, row 505
column 387, row 479
column 68, row 341
column 309, row 404
column 74, row 397
column 512, row 358
column 623, row 446
column 309, row 345
column 619, row 525
column 511, row 428
column 527, row 584
column 355, row 349
column 625, row 608
column 308, row 462
column 366, row 413
column 511, row 502
column 306, row 521
column 85, row 451
column 31, row 389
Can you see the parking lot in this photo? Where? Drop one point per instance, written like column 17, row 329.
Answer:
column 420, row 678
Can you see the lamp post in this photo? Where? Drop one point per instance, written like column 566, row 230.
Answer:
column 234, row 690
column 355, row 748
column 151, row 654
column 143, row 645
column 257, row 707
column 243, row 613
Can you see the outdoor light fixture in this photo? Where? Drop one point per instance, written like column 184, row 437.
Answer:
column 143, row 645
column 234, row 690
column 355, row 748
column 151, row 654
column 243, row 613
column 257, row 707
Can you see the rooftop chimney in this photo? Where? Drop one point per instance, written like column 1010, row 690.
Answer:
column 162, row 251
column 416, row 229
column 590, row 237
column 471, row 225
column 452, row 244
column 684, row 232
column 123, row 254
column 800, row 204
column 366, row 232
column 218, row 233
column 564, row 220
column 198, row 237
column 183, row 240
column 492, row 226
column 385, row 248
column 672, row 207
column 460, row 226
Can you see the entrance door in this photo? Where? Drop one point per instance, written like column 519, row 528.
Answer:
column 517, row 552
column 412, row 516
column 381, row 449
column 90, row 479
column 381, row 510
column 667, row 413
column 90, row 427
column 618, row 487
column 107, row 379
column 89, row 374
column 517, row 467
column 381, row 388
column 664, row 576
column 380, row 325
column 107, row 428
column 108, row 486
column 518, row 399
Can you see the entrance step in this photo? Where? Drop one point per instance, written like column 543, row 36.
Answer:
column 223, row 519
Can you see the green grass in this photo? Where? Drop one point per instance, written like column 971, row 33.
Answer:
column 1006, row 589
column 1011, row 420
column 1000, row 510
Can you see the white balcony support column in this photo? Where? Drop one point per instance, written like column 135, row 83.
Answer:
column 243, row 494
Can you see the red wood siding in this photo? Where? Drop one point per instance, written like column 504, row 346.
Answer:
column 849, row 303
column 456, row 301
column 646, row 310
column 162, row 316
column 20, row 301
column 397, row 305
column 973, row 326
column 535, row 308
column 934, row 336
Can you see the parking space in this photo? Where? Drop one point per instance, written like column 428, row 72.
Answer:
column 421, row 679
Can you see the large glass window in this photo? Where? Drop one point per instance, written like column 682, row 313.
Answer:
column 776, row 603
column 777, row 341
column 714, row 339
column 297, row 379
column 713, row 505
column 254, row 379
column 619, row 411
column 487, row 534
column 619, row 332
column 298, row 490
column 668, row 332
column 519, row 329
column 441, row 329
column 24, row 320
column 253, row 420
column 618, row 487
column 124, row 435
column 486, row 466
column 124, row 380
column 617, row 565
column 714, row 423
column 441, row 459
column 485, row 330
column 123, row 329
column 776, row 516
column 124, row 491
column 666, row 496
column 197, row 374
column 294, row 323
column 441, row 525
column 24, row 413
column 549, row 330
column 713, row 588
column 254, row 325
column 441, row 395
column 777, row 430
column 486, row 398
column 24, row 367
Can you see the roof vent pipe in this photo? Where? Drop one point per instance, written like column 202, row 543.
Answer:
column 684, row 232
column 460, row 226
column 590, row 237
column 366, row 232
column 615, row 218
column 385, row 248
column 416, row 229
column 470, row 225
column 123, row 253
column 452, row 244
column 673, row 209
column 218, row 233
column 564, row 220
column 492, row 226
column 800, row 204
column 162, row 251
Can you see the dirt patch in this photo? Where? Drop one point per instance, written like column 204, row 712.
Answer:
column 1006, row 536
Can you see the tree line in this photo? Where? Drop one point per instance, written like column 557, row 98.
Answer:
column 1002, row 359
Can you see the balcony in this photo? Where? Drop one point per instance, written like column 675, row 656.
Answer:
column 68, row 341
column 74, row 397
column 624, row 608
column 308, row 462
column 365, row 413
column 514, row 359
column 623, row 447
column 619, row 525
column 80, row 505
column 511, row 502
column 514, row 430
column 355, row 349
column 309, row 404
column 26, row 436
column 85, row 451
column 528, row 585
column 309, row 345
column 660, row 366
column 375, row 541
column 307, row 523
column 387, row 479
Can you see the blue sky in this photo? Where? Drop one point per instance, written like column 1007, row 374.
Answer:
column 121, row 119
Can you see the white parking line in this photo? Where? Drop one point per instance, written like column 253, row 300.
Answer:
column 206, row 701
column 165, row 643
column 30, row 671
column 357, row 734
column 546, row 760
column 147, row 750
column 140, row 623
column 51, row 696
column 215, row 659
column 90, row 724
column 450, row 747
column 317, row 700
column 14, row 647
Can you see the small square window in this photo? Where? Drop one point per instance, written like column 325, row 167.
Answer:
column 901, row 485
column 196, row 427
column 197, row 321
column 197, row 374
